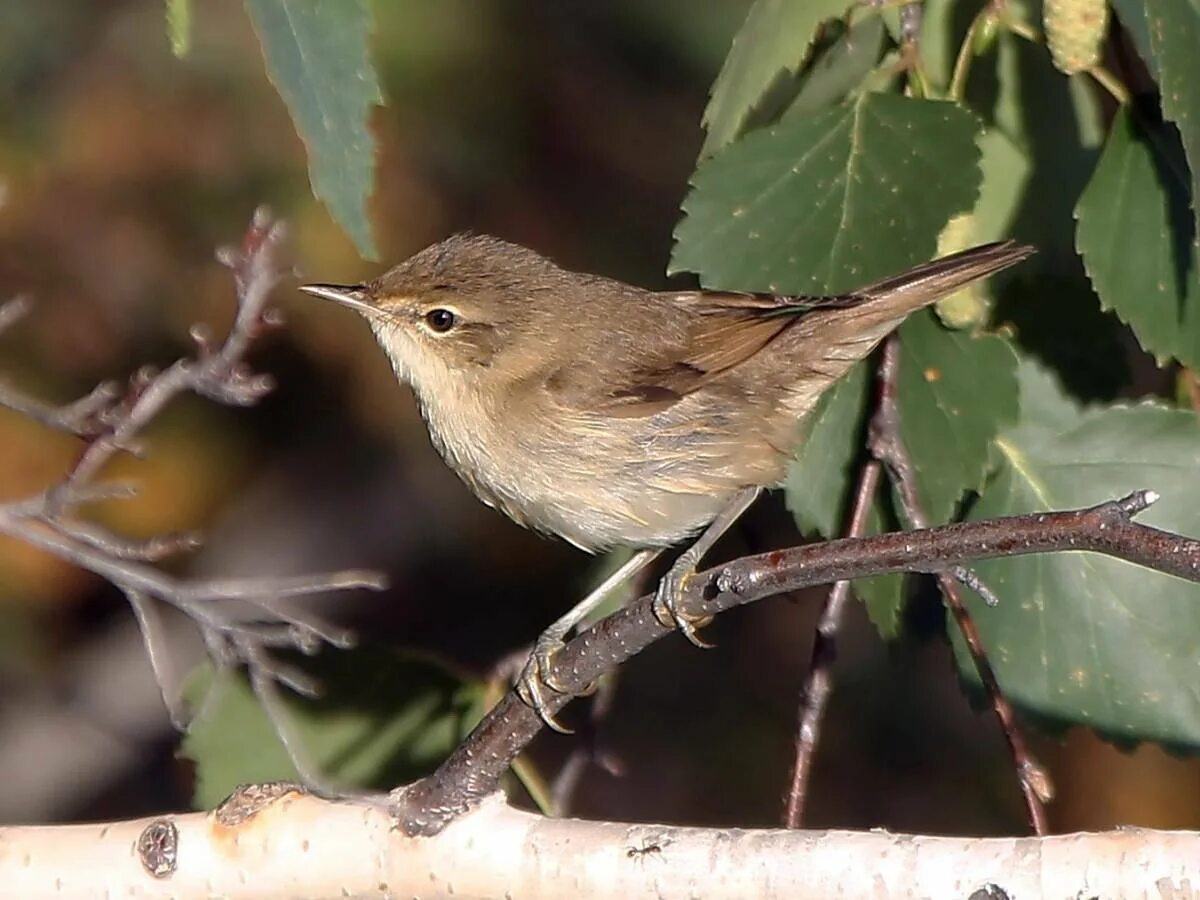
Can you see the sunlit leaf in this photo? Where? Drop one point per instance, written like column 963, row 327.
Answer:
column 179, row 26
column 1080, row 638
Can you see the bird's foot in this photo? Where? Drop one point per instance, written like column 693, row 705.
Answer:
column 536, row 679
column 666, row 602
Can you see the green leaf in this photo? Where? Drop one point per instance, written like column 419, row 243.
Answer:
column 383, row 719
column 1057, row 124
column 1174, row 27
column 822, row 479
column 882, row 595
column 179, row 26
column 1079, row 638
column 1132, row 14
column 839, row 69
column 1137, row 239
column 955, row 393
column 829, row 201
column 774, row 40
column 316, row 53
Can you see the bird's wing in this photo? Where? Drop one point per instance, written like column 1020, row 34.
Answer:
column 707, row 333
column 718, row 331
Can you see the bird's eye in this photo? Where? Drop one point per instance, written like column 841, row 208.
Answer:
column 440, row 320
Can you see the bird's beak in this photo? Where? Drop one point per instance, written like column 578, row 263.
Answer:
column 351, row 295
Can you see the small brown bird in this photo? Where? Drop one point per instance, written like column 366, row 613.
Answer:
column 614, row 416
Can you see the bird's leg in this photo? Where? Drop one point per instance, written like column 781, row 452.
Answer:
column 672, row 584
column 535, row 676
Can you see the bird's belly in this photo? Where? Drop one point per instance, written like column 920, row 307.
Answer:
column 602, row 483
column 597, row 517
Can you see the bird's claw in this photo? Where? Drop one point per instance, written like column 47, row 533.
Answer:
column 666, row 606
column 535, row 679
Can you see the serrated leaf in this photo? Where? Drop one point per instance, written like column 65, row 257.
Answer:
column 1174, row 27
column 1137, row 239
column 316, row 54
column 955, row 393
column 839, row 69
column 179, row 26
column 828, row 202
column 1080, row 638
column 383, row 719
column 774, row 40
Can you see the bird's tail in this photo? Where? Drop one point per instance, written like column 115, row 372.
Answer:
column 933, row 280
column 827, row 341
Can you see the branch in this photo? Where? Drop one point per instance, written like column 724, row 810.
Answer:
column 474, row 769
column 272, row 841
column 111, row 419
column 814, row 697
column 888, row 447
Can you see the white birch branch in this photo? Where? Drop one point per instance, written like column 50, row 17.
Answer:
column 274, row 842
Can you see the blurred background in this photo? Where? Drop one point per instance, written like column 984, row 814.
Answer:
column 569, row 126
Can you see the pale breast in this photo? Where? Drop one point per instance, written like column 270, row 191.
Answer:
column 600, row 481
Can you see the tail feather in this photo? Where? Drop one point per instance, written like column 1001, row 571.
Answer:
column 933, row 280
column 827, row 342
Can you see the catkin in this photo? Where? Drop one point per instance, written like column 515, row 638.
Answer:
column 1074, row 32
column 967, row 307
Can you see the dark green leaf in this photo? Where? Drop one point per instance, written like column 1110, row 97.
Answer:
column 1136, row 237
column 1056, row 124
column 1132, row 14
column 1079, row 638
column 822, row 479
column 316, row 53
column 774, row 40
column 1174, row 27
column 955, row 393
column 828, row 202
column 839, row 69
column 383, row 719
column 882, row 595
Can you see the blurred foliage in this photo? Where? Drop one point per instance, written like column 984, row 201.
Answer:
column 572, row 127
column 382, row 719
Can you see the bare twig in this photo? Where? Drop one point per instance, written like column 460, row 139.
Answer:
column 889, row 448
column 220, row 375
column 814, row 697
column 474, row 769
column 111, row 419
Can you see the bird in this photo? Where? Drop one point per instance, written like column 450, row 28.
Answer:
column 610, row 415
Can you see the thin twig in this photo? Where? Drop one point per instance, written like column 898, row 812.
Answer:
column 81, row 417
column 220, row 375
column 888, row 447
column 110, row 420
column 474, row 769
column 814, row 697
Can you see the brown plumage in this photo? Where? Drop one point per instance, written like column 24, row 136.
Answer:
column 611, row 415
